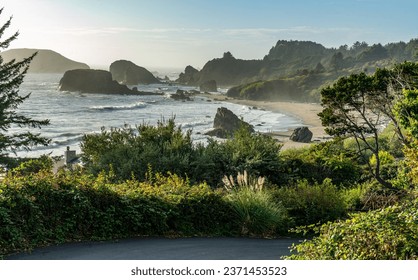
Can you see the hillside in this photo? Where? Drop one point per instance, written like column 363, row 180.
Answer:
column 297, row 69
column 46, row 61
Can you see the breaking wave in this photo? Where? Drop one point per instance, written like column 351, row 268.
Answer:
column 137, row 105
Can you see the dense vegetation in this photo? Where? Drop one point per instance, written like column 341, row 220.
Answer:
column 387, row 234
column 389, row 230
column 107, row 199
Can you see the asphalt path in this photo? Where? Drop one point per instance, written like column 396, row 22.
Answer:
column 166, row 249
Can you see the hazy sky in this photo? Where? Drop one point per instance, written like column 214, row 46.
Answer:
column 164, row 33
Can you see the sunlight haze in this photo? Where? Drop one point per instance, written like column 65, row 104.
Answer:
column 166, row 33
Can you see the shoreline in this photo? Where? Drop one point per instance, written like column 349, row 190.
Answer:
column 307, row 113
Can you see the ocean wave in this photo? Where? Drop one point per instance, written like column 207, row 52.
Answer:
column 66, row 141
column 68, row 135
column 137, row 105
column 196, row 124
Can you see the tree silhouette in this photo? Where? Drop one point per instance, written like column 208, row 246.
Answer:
column 12, row 74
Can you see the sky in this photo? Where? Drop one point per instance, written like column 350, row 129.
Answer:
column 177, row 33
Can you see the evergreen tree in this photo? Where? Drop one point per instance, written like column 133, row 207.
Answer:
column 12, row 74
column 357, row 105
column 337, row 61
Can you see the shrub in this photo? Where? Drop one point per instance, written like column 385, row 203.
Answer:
column 34, row 165
column 310, row 204
column 195, row 209
column 377, row 197
column 43, row 208
column 256, row 153
column 318, row 162
column 210, row 163
column 354, row 197
column 411, row 154
column 129, row 151
column 387, row 234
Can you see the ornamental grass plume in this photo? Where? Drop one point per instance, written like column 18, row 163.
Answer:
column 244, row 181
column 256, row 211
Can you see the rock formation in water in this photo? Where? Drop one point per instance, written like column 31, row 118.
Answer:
column 46, row 61
column 182, row 95
column 92, row 81
column 128, row 73
column 226, row 123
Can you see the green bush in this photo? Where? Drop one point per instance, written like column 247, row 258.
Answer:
column 354, row 197
column 318, row 162
column 255, row 153
column 43, row 208
column 128, row 153
column 386, row 234
column 33, row 165
column 310, row 204
column 195, row 209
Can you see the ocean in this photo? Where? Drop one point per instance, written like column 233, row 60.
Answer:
column 73, row 114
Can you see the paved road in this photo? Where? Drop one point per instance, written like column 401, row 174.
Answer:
column 166, row 249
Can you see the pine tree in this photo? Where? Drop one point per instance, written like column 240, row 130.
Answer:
column 12, row 74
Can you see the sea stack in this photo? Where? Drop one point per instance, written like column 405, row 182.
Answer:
column 92, row 81
column 128, row 73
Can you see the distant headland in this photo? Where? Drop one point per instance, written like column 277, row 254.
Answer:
column 46, row 61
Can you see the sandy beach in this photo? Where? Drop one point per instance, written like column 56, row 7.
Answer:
column 307, row 113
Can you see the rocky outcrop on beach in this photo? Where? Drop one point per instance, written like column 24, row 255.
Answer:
column 92, row 81
column 46, row 61
column 226, row 123
column 302, row 135
column 128, row 73
column 209, row 86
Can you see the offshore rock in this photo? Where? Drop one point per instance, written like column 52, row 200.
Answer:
column 302, row 135
column 181, row 95
column 226, row 123
column 92, row 81
column 128, row 73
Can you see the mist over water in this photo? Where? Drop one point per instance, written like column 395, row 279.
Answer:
column 73, row 114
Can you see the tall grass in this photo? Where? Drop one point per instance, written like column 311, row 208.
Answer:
column 256, row 211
